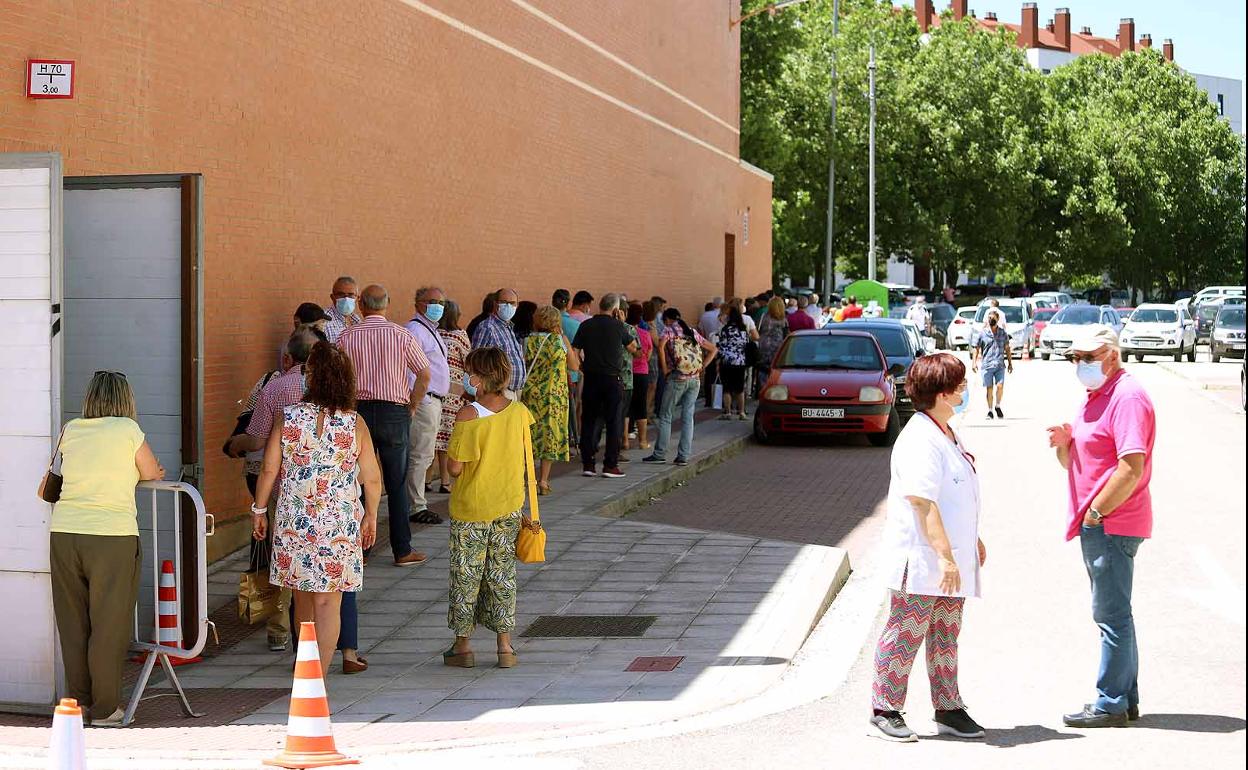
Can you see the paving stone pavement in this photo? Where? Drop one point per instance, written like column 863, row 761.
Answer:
column 735, row 608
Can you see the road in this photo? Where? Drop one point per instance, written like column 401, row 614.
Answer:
column 1029, row 648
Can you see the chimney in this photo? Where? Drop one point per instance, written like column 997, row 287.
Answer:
column 1061, row 28
column 972, row 13
column 1085, row 31
column 959, row 9
column 1167, row 49
column 1146, row 41
column 923, row 10
column 1029, row 35
column 1126, row 35
column 990, row 16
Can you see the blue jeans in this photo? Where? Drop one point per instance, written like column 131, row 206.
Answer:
column 390, row 426
column 1110, row 561
column 677, row 395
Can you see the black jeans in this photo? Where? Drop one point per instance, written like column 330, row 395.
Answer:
column 601, row 399
column 390, row 425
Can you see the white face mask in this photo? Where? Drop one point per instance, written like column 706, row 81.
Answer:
column 1090, row 374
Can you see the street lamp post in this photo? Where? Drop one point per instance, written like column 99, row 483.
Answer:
column 871, row 168
column 828, row 261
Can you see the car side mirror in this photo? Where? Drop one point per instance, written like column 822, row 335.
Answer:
column 897, row 370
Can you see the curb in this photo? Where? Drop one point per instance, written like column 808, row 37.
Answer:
column 1178, row 371
column 622, row 504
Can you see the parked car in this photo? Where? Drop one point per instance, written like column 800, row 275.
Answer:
column 1018, row 322
column 827, row 381
column 1228, row 333
column 1205, row 314
column 1058, row 298
column 1124, row 313
column 1111, row 297
column 901, row 343
column 1209, row 292
column 958, row 332
column 1158, row 330
column 1060, row 331
column 1038, row 322
column 942, row 314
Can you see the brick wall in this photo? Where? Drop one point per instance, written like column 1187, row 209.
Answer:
column 472, row 144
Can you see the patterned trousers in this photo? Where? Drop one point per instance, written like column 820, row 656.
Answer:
column 912, row 620
column 483, row 575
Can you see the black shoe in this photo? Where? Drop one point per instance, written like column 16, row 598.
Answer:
column 680, row 461
column 653, row 459
column 957, row 723
column 1093, row 717
column 990, row 414
column 425, row 516
column 1133, row 713
column 891, row 727
column 1000, row 413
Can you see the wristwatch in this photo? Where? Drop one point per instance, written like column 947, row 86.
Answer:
column 1097, row 516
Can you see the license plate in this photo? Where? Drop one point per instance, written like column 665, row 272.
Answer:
column 1234, row 346
column 823, row 414
column 1149, row 343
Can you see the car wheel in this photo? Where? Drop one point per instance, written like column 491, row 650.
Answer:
column 760, row 434
column 1044, row 356
column 889, row 436
column 1139, row 358
column 1215, row 355
column 1178, row 357
column 1191, row 355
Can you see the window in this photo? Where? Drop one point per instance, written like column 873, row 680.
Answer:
column 1221, row 105
column 1151, row 315
column 1077, row 315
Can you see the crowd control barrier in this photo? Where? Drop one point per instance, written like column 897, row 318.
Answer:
column 170, row 519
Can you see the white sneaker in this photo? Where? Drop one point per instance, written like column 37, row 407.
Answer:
column 113, row 720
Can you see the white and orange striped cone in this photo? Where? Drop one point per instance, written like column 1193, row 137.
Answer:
column 68, row 750
column 168, row 632
column 309, row 737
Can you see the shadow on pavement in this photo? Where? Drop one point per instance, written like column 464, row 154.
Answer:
column 1190, row 723
column 1023, row 735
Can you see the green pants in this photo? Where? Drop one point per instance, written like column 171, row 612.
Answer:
column 483, row 575
column 95, row 582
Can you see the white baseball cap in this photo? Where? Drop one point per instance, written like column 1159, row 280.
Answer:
column 1094, row 338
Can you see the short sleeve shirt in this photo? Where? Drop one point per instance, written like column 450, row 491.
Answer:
column 603, row 339
column 99, row 472
column 492, row 483
column 992, row 346
column 1117, row 420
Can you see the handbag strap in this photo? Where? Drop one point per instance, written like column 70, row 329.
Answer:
column 531, row 472
column 57, row 449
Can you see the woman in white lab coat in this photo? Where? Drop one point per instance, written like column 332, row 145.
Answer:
column 932, row 552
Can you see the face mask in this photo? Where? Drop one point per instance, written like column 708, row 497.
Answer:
column 993, row 322
column 469, row 388
column 434, row 312
column 345, row 305
column 506, row 311
column 1090, row 374
column 960, row 407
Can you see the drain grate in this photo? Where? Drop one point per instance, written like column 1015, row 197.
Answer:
column 662, row 663
column 555, row 626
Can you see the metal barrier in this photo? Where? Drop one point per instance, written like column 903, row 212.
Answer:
column 204, row 526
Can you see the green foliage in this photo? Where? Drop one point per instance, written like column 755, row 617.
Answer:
column 1115, row 167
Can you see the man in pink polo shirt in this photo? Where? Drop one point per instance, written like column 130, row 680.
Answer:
column 1108, row 455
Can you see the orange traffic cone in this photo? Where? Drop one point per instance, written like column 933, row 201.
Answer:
column 68, row 750
column 168, row 632
column 309, row 740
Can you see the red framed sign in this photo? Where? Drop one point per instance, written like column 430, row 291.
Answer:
column 50, row 79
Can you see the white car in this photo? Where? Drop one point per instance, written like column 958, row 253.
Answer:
column 1018, row 322
column 1054, row 298
column 958, row 333
column 1070, row 321
column 1158, row 330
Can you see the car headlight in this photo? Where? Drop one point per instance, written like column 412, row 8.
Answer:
column 1170, row 341
column 870, row 394
column 1124, row 337
column 777, row 393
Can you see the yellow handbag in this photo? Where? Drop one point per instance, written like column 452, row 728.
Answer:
column 531, row 541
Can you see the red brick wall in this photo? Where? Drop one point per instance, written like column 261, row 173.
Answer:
column 375, row 139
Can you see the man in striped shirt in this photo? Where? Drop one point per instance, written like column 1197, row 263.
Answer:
column 383, row 354
column 497, row 331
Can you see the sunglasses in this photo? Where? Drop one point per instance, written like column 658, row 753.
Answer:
column 1084, row 358
column 98, row 372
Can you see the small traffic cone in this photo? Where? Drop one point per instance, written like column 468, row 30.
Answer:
column 68, row 750
column 309, row 739
column 167, row 630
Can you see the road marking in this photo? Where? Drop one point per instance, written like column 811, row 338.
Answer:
column 1220, row 596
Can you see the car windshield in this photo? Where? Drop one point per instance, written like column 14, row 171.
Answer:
column 1045, row 313
column 892, row 340
column 1209, row 312
column 1231, row 317
column 942, row 312
column 1124, row 312
column 829, row 351
column 1154, row 316
column 1078, row 315
column 1013, row 313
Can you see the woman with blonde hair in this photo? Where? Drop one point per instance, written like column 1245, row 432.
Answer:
column 772, row 329
column 549, row 357
column 94, row 545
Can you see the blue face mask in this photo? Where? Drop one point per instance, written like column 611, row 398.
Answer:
column 1090, row 374
column 469, row 388
column 966, row 401
column 345, row 305
column 506, row 311
column 434, row 312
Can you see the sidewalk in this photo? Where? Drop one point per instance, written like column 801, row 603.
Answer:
column 734, row 609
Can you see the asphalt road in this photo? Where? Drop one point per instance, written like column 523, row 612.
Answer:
column 1029, row 648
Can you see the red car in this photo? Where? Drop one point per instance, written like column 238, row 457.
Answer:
column 1039, row 321
column 829, row 381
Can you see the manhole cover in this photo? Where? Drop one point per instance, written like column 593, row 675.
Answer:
column 589, row 625
column 668, row 663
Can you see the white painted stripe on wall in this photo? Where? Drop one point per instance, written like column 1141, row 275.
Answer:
column 578, row 37
column 308, row 688
column 500, row 45
column 308, row 727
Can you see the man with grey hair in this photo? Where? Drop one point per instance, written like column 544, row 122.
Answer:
column 605, row 346
column 708, row 326
column 430, row 302
column 497, row 331
column 386, row 357
column 341, row 310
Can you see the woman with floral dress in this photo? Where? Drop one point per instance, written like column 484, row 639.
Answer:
column 549, row 357
column 457, row 347
column 323, row 454
column 732, row 339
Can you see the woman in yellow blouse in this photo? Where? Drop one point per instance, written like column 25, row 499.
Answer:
column 94, row 545
column 487, row 457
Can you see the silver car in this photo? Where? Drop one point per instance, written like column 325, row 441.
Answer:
column 1060, row 332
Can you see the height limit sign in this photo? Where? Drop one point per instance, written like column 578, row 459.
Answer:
column 50, row 79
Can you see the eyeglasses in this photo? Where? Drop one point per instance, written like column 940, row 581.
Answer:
column 98, row 372
column 1084, row 358
column 433, row 302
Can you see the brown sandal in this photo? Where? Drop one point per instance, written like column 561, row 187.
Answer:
column 460, row 659
column 508, row 659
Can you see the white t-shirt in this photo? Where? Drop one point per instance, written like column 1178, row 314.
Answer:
column 750, row 326
column 918, row 314
column 926, row 463
column 709, row 324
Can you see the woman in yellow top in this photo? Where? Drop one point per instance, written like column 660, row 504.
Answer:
column 94, row 549
column 487, row 456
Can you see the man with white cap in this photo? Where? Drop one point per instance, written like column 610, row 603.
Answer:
column 1108, row 456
